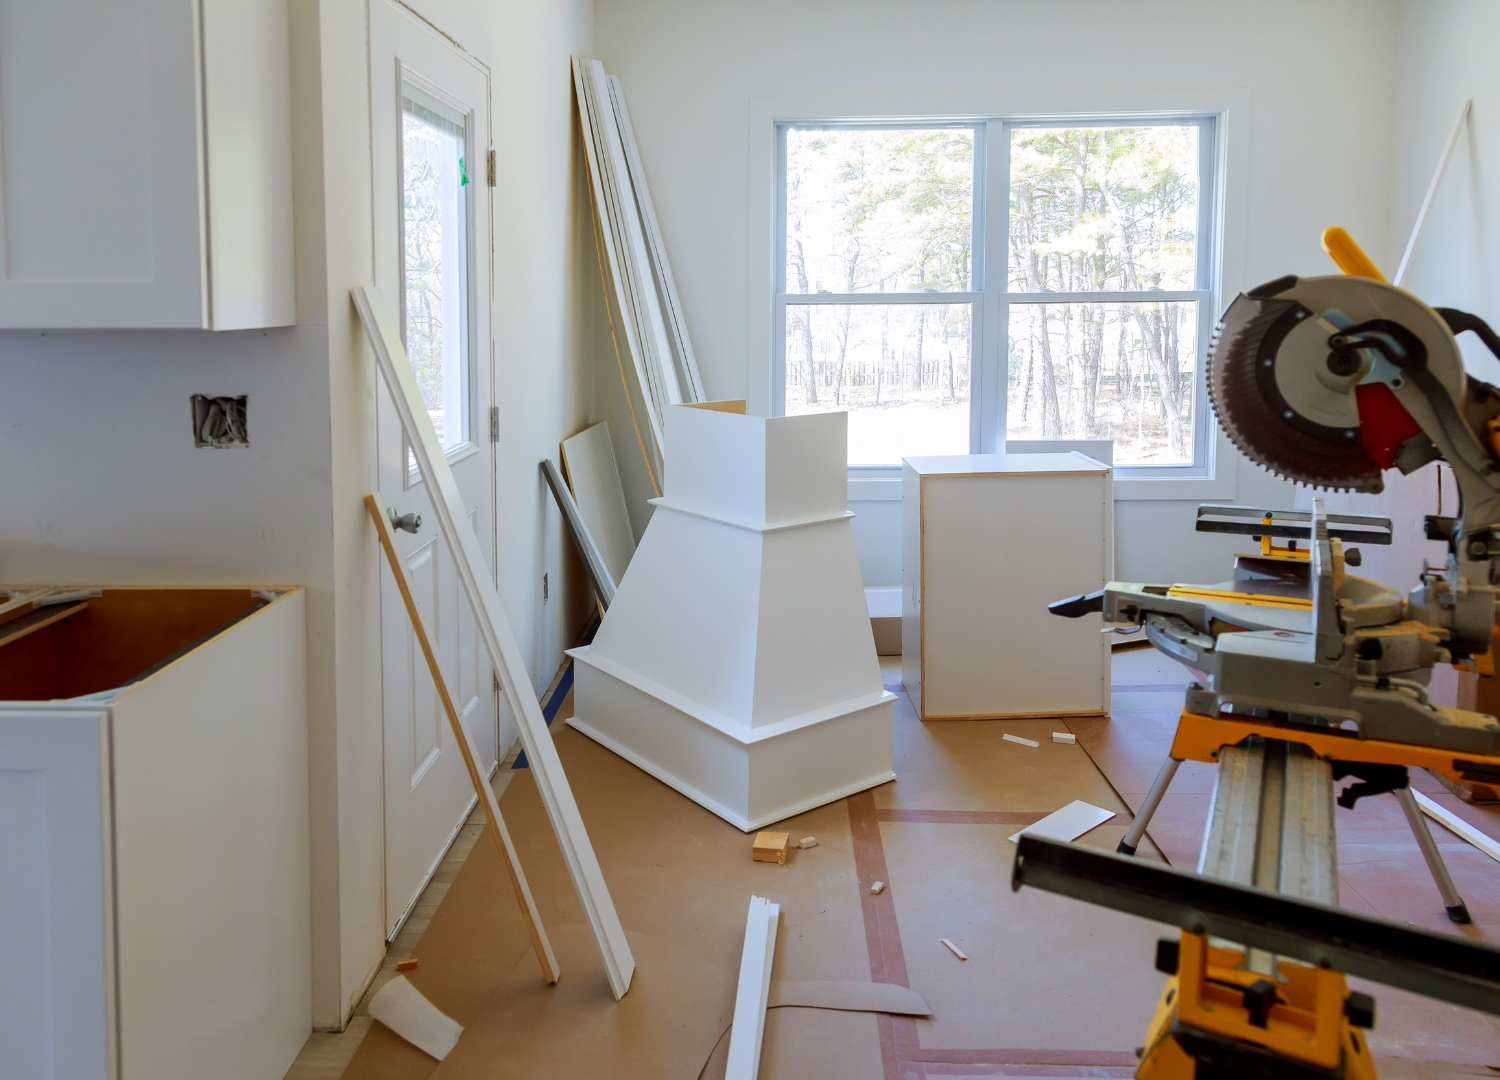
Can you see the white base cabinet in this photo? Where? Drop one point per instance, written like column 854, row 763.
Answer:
column 988, row 541
column 154, row 842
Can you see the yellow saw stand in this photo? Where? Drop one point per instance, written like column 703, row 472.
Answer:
column 1277, row 1006
column 1203, row 738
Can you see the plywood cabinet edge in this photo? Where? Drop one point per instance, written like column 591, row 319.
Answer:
column 157, row 192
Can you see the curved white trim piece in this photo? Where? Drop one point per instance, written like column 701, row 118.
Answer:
column 745, row 523
column 741, row 733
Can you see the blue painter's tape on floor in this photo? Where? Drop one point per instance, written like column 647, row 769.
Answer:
column 549, row 710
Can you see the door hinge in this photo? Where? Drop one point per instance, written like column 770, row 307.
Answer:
column 492, row 168
column 494, row 423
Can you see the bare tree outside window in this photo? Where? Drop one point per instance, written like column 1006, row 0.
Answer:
column 1104, row 210
column 1064, row 267
column 435, row 260
column 879, row 211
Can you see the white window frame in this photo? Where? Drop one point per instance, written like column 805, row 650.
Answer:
column 1221, row 253
column 471, row 443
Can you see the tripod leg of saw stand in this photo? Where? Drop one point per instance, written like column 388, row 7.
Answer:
column 1458, row 911
column 1148, row 808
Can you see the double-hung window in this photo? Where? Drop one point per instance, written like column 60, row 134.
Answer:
column 954, row 284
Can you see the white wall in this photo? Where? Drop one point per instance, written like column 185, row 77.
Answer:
column 101, row 483
column 1320, row 144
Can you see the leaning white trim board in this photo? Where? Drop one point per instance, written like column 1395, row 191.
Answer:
column 1457, row 825
column 494, row 629
column 1067, row 824
column 671, row 303
column 754, row 990
column 1432, row 188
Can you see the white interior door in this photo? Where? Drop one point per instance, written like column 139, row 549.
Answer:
column 429, row 106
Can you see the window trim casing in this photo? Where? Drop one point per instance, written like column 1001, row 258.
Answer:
column 1230, row 108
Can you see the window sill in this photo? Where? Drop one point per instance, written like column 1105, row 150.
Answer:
column 459, row 453
column 865, row 487
column 1181, row 488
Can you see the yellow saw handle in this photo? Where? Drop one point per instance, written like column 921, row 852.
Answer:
column 1348, row 255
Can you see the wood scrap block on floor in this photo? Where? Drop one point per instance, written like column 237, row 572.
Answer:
column 770, row 846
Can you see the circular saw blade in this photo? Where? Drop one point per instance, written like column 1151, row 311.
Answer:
column 1250, row 402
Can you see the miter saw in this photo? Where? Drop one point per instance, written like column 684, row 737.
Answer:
column 1310, row 674
column 1328, row 381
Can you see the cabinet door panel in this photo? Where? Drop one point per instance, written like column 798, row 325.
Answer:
column 100, row 209
column 54, row 1001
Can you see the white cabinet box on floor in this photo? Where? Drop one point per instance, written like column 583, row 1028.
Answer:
column 988, row 541
column 154, row 835
column 736, row 662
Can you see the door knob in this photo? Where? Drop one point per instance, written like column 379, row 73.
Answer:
column 405, row 522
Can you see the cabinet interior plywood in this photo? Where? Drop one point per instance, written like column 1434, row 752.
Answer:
column 119, row 635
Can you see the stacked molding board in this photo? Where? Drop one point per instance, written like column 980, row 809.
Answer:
column 634, row 257
column 736, row 663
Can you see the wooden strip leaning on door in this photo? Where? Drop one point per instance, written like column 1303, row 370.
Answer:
column 482, row 789
column 379, row 317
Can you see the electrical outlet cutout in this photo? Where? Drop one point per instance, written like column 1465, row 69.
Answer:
column 220, row 421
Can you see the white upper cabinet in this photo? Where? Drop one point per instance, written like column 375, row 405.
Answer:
column 145, row 164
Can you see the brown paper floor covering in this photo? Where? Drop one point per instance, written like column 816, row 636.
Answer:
column 1052, row 987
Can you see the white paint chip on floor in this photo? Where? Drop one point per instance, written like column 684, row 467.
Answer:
column 401, row 1007
column 1069, row 823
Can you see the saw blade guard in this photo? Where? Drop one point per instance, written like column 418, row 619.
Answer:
column 1302, row 378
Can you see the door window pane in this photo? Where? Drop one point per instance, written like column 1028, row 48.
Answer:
column 1105, row 209
column 1106, row 371
column 900, row 370
column 879, row 211
column 435, row 257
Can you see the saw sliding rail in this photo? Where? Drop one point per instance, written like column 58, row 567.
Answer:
column 1224, row 740
column 1434, row 965
column 1277, row 1003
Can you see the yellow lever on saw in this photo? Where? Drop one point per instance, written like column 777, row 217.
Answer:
column 1349, row 256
